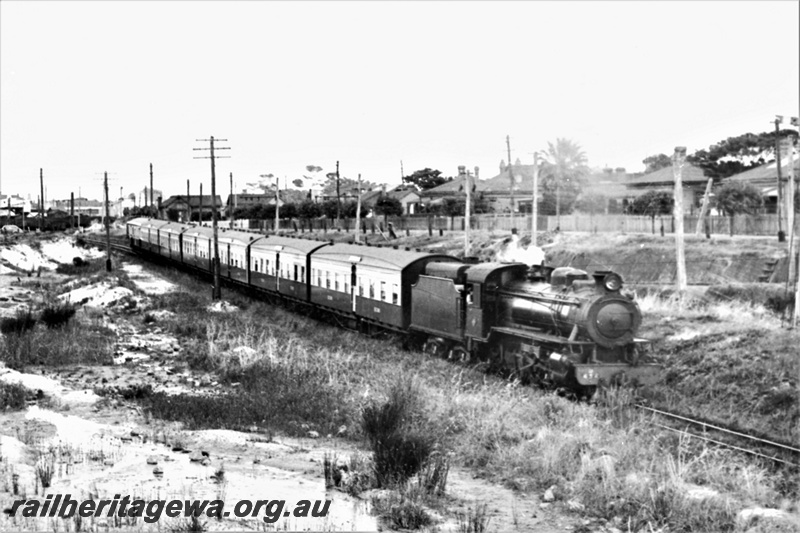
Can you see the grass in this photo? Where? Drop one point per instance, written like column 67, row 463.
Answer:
column 292, row 374
column 727, row 361
column 22, row 322
column 76, row 343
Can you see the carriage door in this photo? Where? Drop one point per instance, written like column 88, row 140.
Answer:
column 228, row 259
column 353, row 281
column 278, row 271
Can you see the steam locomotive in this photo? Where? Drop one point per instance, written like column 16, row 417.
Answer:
column 559, row 326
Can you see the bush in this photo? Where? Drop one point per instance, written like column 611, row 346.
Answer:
column 19, row 324
column 57, row 315
column 12, row 396
column 400, row 445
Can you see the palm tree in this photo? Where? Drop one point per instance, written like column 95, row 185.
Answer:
column 569, row 162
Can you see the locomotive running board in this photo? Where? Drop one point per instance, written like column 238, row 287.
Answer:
column 540, row 337
column 613, row 373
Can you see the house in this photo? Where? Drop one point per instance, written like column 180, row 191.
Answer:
column 765, row 177
column 693, row 180
column 80, row 207
column 247, row 200
column 610, row 185
column 452, row 189
column 180, row 207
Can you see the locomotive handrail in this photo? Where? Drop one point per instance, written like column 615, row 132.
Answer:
column 540, row 296
column 542, row 336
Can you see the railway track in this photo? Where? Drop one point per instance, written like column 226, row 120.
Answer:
column 101, row 243
column 778, row 452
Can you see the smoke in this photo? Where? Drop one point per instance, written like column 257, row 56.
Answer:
column 512, row 252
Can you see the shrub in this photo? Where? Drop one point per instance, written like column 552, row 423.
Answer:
column 19, row 324
column 57, row 315
column 399, row 443
column 12, row 396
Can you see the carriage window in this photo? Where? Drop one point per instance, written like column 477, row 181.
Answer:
column 295, row 272
column 360, row 286
column 319, row 278
column 336, row 281
column 372, row 289
column 327, row 280
column 346, row 286
column 383, row 291
column 303, row 274
column 395, row 295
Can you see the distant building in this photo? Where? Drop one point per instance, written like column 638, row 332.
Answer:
column 181, row 206
column 693, row 180
column 765, row 178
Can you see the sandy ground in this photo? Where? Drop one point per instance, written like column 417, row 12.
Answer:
column 105, row 447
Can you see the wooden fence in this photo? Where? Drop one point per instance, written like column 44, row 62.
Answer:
column 717, row 225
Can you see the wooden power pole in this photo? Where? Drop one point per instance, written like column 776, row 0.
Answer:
column 358, row 208
column 41, row 200
column 511, row 179
column 230, row 203
column 188, row 205
column 216, row 292
column 108, row 223
column 151, row 187
column 677, row 169
column 704, row 208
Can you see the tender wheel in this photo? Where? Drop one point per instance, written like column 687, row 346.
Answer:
column 435, row 347
column 460, row 354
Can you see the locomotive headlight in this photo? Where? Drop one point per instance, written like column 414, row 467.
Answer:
column 612, row 282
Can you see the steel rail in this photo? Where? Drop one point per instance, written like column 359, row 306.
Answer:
column 705, row 425
column 728, row 445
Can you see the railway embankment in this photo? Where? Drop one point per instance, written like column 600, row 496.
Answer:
column 277, row 398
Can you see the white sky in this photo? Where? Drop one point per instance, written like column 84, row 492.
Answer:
column 88, row 87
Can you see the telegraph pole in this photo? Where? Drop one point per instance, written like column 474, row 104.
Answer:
column 41, row 202
column 277, row 203
column 216, row 293
column 534, row 208
column 704, row 208
column 778, row 121
column 338, row 202
column 230, row 202
column 358, row 207
column 108, row 224
column 511, row 177
column 677, row 169
column 468, row 187
column 188, row 205
column 151, row 186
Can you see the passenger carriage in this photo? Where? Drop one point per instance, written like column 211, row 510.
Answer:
column 197, row 247
column 369, row 282
column 169, row 241
column 234, row 253
column 282, row 265
column 149, row 233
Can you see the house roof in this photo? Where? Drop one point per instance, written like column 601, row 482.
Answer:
column 689, row 174
column 766, row 173
column 452, row 187
column 194, row 201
